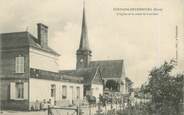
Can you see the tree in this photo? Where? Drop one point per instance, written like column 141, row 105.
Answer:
column 165, row 89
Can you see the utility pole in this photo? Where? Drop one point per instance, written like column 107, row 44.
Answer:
column 182, row 109
column 176, row 36
column 177, row 64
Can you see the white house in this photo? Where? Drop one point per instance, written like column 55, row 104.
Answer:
column 59, row 92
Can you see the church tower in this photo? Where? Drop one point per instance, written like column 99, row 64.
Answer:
column 84, row 52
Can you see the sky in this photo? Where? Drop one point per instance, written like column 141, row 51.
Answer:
column 142, row 41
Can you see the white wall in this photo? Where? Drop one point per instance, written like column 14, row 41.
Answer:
column 43, row 60
column 69, row 91
column 41, row 89
column 124, row 88
column 97, row 90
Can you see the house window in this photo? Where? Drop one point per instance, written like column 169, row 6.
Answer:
column 19, row 64
column 18, row 90
column 72, row 91
column 53, row 90
column 78, row 92
column 64, row 92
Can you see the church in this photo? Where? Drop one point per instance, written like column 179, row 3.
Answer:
column 94, row 72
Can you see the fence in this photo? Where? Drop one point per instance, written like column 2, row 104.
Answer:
column 63, row 110
column 84, row 110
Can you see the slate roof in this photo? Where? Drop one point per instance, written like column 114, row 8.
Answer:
column 107, row 69
column 88, row 74
column 110, row 68
column 22, row 39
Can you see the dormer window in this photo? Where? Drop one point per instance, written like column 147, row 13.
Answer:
column 19, row 64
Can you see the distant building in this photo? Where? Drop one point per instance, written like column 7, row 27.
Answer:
column 29, row 72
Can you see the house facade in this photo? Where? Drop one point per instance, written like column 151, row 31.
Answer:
column 60, row 92
column 30, row 72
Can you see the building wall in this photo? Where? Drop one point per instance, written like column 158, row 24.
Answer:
column 97, row 89
column 42, row 60
column 123, row 86
column 6, row 100
column 32, row 58
column 7, row 62
column 41, row 89
column 8, row 75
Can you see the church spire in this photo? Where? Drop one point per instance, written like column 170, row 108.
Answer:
column 84, row 52
column 84, row 44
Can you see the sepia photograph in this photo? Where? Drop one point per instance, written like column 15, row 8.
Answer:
column 92, row 57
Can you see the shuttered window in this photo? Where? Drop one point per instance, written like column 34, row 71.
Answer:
column 19, row 64
column 25, row 90
column 18, row 90
column 12, row 90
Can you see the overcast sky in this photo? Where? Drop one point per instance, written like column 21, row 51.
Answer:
column 142, row 41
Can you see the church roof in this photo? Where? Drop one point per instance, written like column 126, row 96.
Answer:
column 22, row 39
column 106, row 68
column 110, row 68
column 88, row 74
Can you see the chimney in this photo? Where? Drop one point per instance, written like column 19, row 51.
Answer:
column 42, row 35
